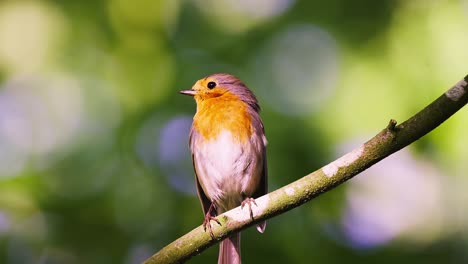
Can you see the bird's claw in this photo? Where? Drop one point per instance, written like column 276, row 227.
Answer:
column 249, row 201
column 206, row 223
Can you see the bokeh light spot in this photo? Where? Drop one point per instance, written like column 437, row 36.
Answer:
column 164, row 144
column 261, row 8
column 5, row 223
column 126, row 16
column 12, row 129
column 30, row 33
column 398, row 198
column 37, row 116
column 297, row 70
column 174, row 154
column 138, row 253
column 239, row 16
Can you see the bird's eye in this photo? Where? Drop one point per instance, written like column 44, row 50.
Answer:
column 211, row 85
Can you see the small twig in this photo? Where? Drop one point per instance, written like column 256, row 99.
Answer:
column 391, row 125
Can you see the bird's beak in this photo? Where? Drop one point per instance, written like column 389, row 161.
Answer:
column 188, row 92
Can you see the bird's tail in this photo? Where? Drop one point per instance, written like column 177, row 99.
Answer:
column 229, row 250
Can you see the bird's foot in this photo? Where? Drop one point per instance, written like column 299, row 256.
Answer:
column 249, row 201
column 207, row 224
column 208, row 217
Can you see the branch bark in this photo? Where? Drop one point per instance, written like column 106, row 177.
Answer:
column 393, row 138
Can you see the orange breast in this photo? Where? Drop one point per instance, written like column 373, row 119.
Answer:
column 225, row 112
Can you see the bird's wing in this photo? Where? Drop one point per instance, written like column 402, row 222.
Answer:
column 263, row 184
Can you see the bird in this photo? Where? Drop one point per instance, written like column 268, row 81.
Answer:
column 228, row 145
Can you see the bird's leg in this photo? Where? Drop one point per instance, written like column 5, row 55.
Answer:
column 249, row 201
column 208, row 217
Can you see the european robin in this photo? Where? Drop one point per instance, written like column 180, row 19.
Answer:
column 228, row 146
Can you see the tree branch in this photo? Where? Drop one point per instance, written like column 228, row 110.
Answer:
column 388, row 141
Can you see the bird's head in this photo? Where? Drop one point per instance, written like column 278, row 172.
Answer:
column 222, row 86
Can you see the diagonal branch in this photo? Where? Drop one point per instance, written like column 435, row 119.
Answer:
column 388, row 141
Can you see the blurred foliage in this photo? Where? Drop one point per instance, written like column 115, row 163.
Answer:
column 94, row 163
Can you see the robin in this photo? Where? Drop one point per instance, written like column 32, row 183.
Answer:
column 228, row 146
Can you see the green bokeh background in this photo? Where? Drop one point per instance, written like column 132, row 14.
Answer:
column 94, row 162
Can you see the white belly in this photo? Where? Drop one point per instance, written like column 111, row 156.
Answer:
column 226, row 168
